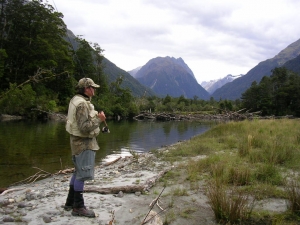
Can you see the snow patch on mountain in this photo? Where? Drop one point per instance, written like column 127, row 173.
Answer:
column 212, row 85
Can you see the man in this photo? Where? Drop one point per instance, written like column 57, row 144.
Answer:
column 83, row 125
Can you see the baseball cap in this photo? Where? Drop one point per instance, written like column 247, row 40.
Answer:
column 87, row 82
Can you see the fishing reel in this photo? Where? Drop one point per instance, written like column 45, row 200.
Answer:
column 105, row 130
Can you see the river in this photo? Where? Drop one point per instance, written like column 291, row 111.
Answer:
column 27, row 146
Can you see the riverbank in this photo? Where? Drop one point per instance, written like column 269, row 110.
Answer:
column 235, row 154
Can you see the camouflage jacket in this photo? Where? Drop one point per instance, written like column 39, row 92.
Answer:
column 85, row 124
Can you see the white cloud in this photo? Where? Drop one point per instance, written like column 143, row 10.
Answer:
column 214, row 38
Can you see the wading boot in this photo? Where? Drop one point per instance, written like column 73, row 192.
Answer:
column 79, row 209
column 70, row 199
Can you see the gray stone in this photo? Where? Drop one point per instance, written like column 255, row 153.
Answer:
column 120, row 194
column 47, row 219
column 21, row 205
column 8, row 219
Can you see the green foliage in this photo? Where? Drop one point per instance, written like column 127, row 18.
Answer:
column 278, row 94
column 32, row 36
column 19, row 102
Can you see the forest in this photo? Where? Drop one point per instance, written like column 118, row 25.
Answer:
column 39, row 68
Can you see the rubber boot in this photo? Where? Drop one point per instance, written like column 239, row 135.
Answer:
column 70, row 199
column 79, row 209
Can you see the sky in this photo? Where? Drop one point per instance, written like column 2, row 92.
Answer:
column 213, row 37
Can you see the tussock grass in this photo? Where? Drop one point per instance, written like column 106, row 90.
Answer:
column 229, row 206
column 293, row 192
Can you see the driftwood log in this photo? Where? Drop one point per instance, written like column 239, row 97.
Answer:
column 112, row 162
column 127, row 188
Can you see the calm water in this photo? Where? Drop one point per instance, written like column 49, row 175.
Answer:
column 45, row 145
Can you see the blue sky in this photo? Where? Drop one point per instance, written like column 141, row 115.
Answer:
column 214, row 38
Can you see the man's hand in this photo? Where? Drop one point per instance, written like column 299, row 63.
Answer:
column 101, row 116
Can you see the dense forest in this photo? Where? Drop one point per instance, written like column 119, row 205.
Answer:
column 39, row 69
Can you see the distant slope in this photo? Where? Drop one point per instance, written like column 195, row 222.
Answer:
column 113, row 72
column 170, row 76
column 293, row 65
column 134, row 71
column 234, row 89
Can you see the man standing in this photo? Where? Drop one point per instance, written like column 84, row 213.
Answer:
column 83, row 125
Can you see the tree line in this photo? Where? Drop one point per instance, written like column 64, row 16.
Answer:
column 40, row 66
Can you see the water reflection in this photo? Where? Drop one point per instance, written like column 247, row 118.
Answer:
column 27, row 144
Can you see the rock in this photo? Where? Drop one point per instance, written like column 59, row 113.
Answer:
column 120, row 194
column 20, row 198
column 8, row 219
column 138, row 193
column 21, row 205
column 47, row 219
column 4, row 202
column 30, row 196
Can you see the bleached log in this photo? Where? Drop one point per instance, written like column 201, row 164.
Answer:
column 11, row 190
column 126, row 189
column 112, row 162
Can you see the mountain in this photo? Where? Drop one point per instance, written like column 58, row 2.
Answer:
column 234, row 89
column 134, row 71
column 170, row 76
column 113, row 72
column 212, row 85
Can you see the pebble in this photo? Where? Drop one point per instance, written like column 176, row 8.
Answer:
column 47, row 219
column 21, row 205
column 8, row 219
column 120, row 194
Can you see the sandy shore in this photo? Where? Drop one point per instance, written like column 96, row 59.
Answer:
column 41, row 201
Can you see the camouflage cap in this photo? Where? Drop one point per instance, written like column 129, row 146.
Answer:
column 87, row 82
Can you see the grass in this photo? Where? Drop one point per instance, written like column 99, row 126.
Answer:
column 244, row 161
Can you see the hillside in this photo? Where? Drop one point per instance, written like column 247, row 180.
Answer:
column 113, row 72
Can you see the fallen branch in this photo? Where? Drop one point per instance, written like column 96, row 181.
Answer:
column 66, row 171
column 11, row 190
column 34, row 177
column 112, row 162
column 151, row 207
